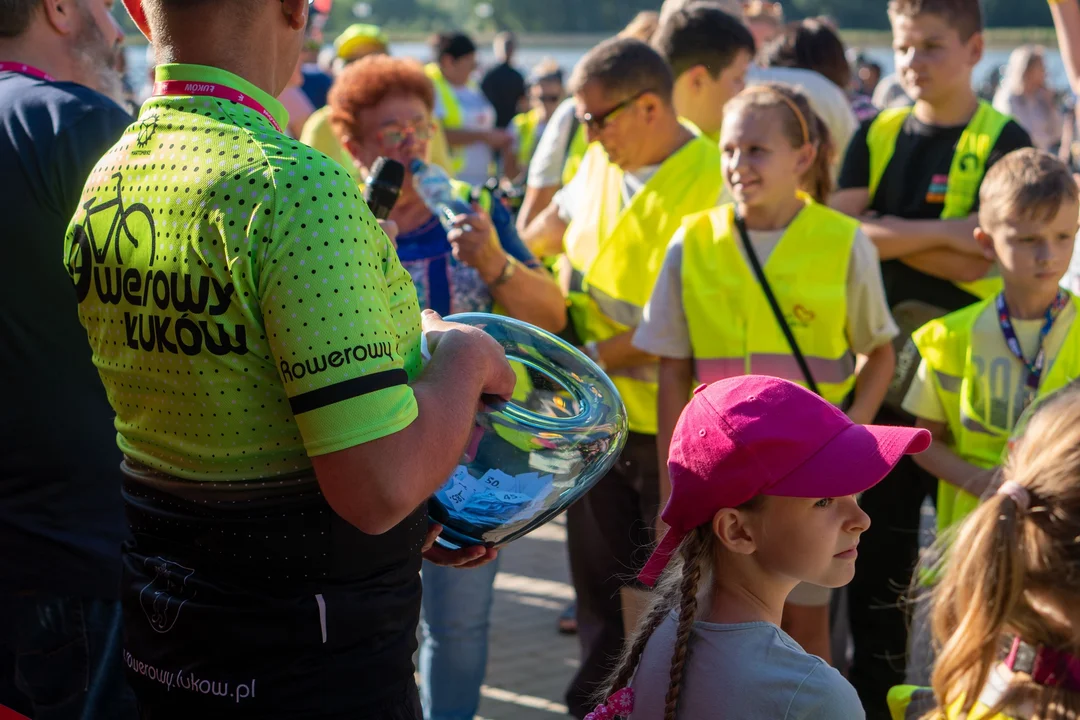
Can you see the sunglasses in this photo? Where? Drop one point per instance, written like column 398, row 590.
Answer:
column 547, row 99
column 598, row 122
column 393, row 136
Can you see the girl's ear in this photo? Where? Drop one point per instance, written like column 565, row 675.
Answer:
column 806, row 155
column 732, row 528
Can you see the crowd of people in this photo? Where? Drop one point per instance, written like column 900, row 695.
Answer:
column 828, row 300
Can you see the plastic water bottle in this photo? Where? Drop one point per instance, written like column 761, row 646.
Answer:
column 433, row 185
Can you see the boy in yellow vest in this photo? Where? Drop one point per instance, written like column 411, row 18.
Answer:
column 912, row 176
column 709, row 52
column 981, row 366
column 644, row 171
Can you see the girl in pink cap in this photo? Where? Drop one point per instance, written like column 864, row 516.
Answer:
column 1006, row 614
column 763, row 481
column 775, row 283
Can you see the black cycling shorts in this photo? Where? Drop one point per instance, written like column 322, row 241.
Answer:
column 258, row 601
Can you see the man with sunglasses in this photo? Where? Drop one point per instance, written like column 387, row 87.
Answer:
column 259, row 341
column 546, row 91
column 642, row 174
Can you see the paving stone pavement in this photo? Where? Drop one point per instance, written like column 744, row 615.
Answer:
column 529, row 663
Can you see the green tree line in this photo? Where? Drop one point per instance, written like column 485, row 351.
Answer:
column 606, row 16
column 603, row 16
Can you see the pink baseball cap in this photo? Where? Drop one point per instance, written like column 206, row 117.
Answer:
column 754, row 435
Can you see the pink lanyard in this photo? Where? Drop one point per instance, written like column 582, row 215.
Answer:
column 25, row 69
column 222, row 92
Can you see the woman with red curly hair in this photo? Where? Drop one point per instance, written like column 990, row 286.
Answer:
column 382, row 106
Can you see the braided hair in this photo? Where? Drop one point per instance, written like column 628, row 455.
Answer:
column 677, row 587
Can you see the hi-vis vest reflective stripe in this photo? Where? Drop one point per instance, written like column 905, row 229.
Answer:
column 911, row 702
column 616, row 252
column 945, row 345
column 525, row 125
column 578, row 147
column 733, row 331
column 449, row 101
column 965, row 174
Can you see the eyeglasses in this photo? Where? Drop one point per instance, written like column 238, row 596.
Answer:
column 394, row 136
column 597, row 123
column 549, row 99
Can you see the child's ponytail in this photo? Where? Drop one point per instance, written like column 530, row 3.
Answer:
column 677, row 587
column 693, row 553
column 981, row 589
column 817, row 181
column 1013, row 569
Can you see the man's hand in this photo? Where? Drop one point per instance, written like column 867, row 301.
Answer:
column 475, row 244
column 465, row 558
column 499, row 377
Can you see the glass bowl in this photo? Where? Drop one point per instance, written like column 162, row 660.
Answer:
column 532, row 457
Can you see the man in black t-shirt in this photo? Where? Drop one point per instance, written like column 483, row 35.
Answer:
column 503, row 85
column 61, row 519
column 912, row 175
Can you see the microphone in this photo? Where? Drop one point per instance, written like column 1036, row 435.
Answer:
column 384, row 186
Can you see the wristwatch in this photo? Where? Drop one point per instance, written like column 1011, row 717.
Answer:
column 593, row 351
column 507, row 272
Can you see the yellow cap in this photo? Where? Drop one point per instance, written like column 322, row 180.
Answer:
column 358, row 37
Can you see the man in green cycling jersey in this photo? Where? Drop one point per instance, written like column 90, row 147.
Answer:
column 260, row 344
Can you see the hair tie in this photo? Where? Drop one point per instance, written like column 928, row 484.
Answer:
column 1018, row 493
column 620, row 704
column 794, row 108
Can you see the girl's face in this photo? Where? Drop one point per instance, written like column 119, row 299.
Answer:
column 761, row 167
column 808, row 539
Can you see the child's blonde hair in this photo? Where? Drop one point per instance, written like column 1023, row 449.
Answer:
column 1017, row 572
column 801, row 125
column 1028, row 184
column 680, row 586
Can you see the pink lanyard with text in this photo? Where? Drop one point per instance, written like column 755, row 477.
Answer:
column 24, row 69
column 216, row 90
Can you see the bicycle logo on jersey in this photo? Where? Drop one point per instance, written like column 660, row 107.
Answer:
column 129, row 224
column 166, row 310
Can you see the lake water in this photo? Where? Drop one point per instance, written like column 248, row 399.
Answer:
column 568, row 56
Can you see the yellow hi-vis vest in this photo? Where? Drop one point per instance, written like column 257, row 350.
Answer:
column 733, row 330
column 615, row 253
column 945, row 345
column 525, row 124
column 911, row 702
column 449, row 100
column 965, row 174
column 576, row 153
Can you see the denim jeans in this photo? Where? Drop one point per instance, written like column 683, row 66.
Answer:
column 454, row 645
column 61, row 658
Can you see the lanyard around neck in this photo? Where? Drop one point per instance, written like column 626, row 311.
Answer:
column 215, row 90
column 24, row 69
column 1035, row 366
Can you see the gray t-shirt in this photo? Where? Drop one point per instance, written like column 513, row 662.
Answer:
column 749, row 671
column 664, row 332
column 546, row 167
